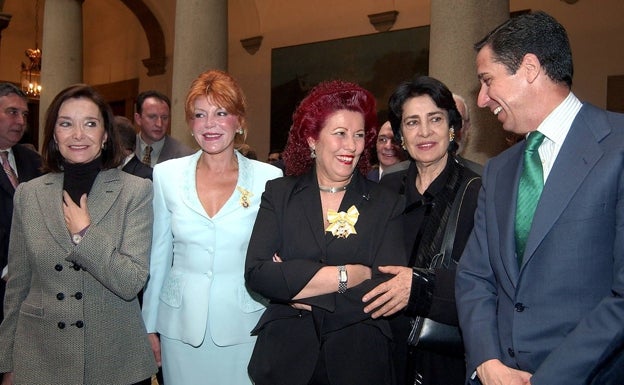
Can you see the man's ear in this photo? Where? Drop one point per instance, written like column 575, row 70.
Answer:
column 531, row 67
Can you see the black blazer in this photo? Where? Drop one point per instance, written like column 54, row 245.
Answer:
column 443, row 307
column 290, row 223
column 138, row 168
column 28, row 167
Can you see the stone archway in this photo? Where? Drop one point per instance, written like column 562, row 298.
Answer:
column 155, row 64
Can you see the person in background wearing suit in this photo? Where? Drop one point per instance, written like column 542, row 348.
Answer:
column 388, row 151
column 204, row 209
column 540, row 286
column 152, row 116
column 316, row 245
column 462, row 135
column 127, row 136
column 78, row 257
column 19, row 164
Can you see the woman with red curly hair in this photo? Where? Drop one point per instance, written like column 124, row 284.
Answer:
column 319, row 237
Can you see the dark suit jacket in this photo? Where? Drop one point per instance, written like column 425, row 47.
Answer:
column 561, row 314
column 172, row 149
column 138, row 168
column 28, row 167
column 290, row 223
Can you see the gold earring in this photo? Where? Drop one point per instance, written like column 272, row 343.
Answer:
column 451, row 134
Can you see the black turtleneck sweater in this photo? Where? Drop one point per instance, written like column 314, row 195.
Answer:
column 79, row 177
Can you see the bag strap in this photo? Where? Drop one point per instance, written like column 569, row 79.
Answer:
column 443, row 259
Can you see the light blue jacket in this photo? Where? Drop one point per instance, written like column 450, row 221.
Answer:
column 196, row 265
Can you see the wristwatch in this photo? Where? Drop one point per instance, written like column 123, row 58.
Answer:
column 342, row 279
column 77, row 237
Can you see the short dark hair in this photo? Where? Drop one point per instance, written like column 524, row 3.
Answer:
column 310, row 116
column 11, row 89
column 422, row 85
column 126, row 132
column 52, row 158
column 537, row 33
column 140, row 99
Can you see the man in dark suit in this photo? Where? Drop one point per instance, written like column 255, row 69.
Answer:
column 152, row 116
column 19, row 163
column 127, row 137
column 540, row 292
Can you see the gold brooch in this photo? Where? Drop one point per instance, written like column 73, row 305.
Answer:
column 342, row 224
column 245, row 195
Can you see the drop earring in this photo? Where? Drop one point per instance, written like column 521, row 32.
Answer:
column 240, row 131
column 312, row 152
column 451, row 134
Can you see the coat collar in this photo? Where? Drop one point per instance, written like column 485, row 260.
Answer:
column 578, row 155
column 103, row 194
column 189, row 186
column 306, row 188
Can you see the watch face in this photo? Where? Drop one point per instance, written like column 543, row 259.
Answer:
column 76, row 238
column 343, row 276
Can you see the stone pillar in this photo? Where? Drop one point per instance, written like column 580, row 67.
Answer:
column 201, row 40
column 61, row 51
column 455, row 27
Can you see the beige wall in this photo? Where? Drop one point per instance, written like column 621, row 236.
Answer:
column 116, row 44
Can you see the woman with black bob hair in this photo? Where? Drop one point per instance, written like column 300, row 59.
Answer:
column 424, row 117
column 78, row 257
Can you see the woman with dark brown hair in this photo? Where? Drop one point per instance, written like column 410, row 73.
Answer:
column 78, row 257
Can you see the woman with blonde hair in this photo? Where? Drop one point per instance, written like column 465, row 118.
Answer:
column 205, row 205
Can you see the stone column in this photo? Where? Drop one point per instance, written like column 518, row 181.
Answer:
column 201, row 39
column 61, row 51
column 455, row 27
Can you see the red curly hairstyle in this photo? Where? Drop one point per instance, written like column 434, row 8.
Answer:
column 310, row 116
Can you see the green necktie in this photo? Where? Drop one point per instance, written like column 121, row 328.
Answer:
column 529, row 191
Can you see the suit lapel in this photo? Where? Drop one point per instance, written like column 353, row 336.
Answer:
column 104, row 193
column 49, row 198
column 357, row 192
column 505, row 200
column 578, row 155
column 5, row 184
column 306, row 190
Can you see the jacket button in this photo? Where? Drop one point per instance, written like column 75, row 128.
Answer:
column 511, row 352
column 519, row 307
column 58, row 267
column 79, row 324
column 78, row 295
column 60, row 296
column 61, row 325
column 76, row 266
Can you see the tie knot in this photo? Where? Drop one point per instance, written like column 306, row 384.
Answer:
column 534, row 140
column 4, row 155
column 148, row 150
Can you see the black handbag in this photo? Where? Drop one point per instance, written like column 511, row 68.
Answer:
column 426, row 333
